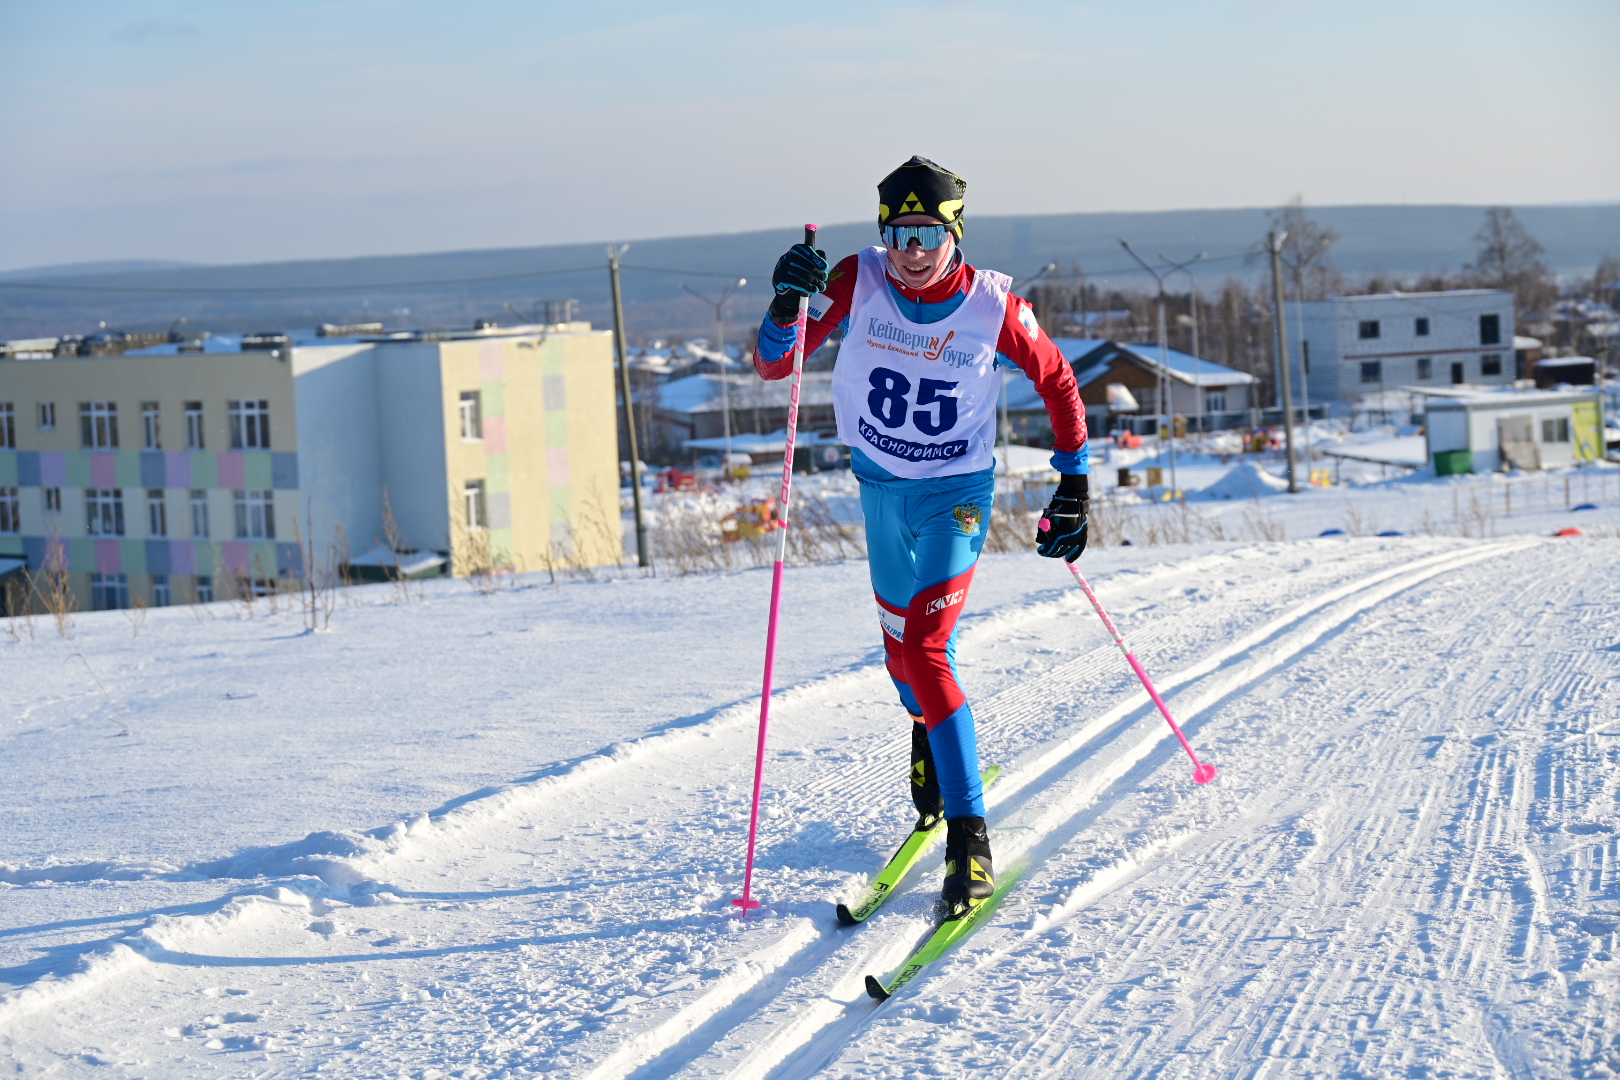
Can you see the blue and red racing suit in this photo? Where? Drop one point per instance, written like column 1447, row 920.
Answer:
column 928, row 503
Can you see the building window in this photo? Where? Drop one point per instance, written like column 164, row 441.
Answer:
column 205, row 589
column 255, row 515
column 1420, row 327
column 1490, row 329
column 1457, row 373
column 199, row 514
column 47, row 416
column 53, row 500
column 160, row 590
column 250, row 425
column 98, row 425
column 109, row 592
column 472, row 415
column 194, row 425
column 157, row 514
column 477, row 518
column 1425, row 367
column 151, row 436
column 1551, row 430
column 10, row 511
column 104, row 509
column 1372, row 371
column 1215, row 401
column 1368, row 329
column 8, row 427
column 1490, row 364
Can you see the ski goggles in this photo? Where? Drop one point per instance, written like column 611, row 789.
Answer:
column 930, row 237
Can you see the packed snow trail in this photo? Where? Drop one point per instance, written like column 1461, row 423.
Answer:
column 1407, row 865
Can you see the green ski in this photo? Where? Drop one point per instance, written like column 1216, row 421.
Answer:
column 953, row 929
column 910, row 852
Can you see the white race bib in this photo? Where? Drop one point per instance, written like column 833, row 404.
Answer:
column 920, row 399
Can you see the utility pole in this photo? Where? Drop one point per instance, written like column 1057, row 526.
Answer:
column 1198, row 372
column 629, row 408
column 725, row 362
column 1164, row 373
column 1277, row 239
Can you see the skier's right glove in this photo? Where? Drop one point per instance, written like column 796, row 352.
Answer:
column 800, row 272
column 1062, row 532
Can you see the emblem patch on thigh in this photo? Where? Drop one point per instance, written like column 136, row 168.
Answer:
column 967, row 518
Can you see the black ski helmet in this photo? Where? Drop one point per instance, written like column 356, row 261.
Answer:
column 922, row 187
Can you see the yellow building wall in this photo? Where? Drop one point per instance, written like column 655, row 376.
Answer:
column 548, row 454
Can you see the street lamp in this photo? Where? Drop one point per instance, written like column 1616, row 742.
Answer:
column 725, row 362
column 1198, row 386
column 1164, row 369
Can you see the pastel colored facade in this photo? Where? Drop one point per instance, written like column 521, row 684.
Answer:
column 1356, row 345
column 155, row 475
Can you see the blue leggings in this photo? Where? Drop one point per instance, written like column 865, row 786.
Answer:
column 922, row 550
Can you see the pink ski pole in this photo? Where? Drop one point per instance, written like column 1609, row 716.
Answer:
column 1202, row 774
column 746, row 900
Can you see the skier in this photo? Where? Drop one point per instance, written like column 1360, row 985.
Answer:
column 915, row 389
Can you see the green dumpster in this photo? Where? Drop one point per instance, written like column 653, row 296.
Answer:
column 1453, row 462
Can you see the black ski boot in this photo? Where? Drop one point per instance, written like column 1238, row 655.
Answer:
column 925, row 793
column 969, row 878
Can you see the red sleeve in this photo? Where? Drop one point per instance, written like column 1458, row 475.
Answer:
column 840, row 291
column 1024, row 343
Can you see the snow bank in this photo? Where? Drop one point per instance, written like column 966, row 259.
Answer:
column 1246, row 480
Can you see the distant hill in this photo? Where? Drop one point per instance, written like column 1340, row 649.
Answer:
column 1394, row 239
column 80, row 269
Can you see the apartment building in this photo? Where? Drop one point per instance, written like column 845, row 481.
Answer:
column 1356, row 345
column 155, row 474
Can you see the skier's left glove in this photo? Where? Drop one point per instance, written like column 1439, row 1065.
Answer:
column 1062, row 532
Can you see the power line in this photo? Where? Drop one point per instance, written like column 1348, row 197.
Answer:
column 300, row 289
column 292, row 288
column 343, row 288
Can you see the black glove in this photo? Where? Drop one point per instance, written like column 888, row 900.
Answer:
column 801, row 272
column 1062, row 532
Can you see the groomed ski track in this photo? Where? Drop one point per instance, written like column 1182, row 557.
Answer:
column 1407, row 866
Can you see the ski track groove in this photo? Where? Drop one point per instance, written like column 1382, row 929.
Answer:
column 1339, row 980
column 1308, row 622
column 1425, row 956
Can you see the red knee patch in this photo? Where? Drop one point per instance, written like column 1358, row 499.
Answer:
column 930, row 620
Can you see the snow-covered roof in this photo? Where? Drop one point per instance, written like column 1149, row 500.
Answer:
column 774, row 443
column 1190, row 369
column 702, row 393
column 1508, row 398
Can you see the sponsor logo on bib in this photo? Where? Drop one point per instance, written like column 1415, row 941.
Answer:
column 882, row 334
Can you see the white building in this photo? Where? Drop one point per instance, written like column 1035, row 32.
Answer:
column 1355, row 345
column 1518, row 429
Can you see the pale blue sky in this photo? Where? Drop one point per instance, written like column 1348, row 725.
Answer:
column 244, row 132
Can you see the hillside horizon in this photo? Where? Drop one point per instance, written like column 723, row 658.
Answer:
column 456, row 287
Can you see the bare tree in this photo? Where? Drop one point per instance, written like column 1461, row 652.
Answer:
column 1304, row 251
column 1510, row 258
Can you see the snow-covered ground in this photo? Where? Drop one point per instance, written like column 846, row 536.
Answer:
column 497, row 835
